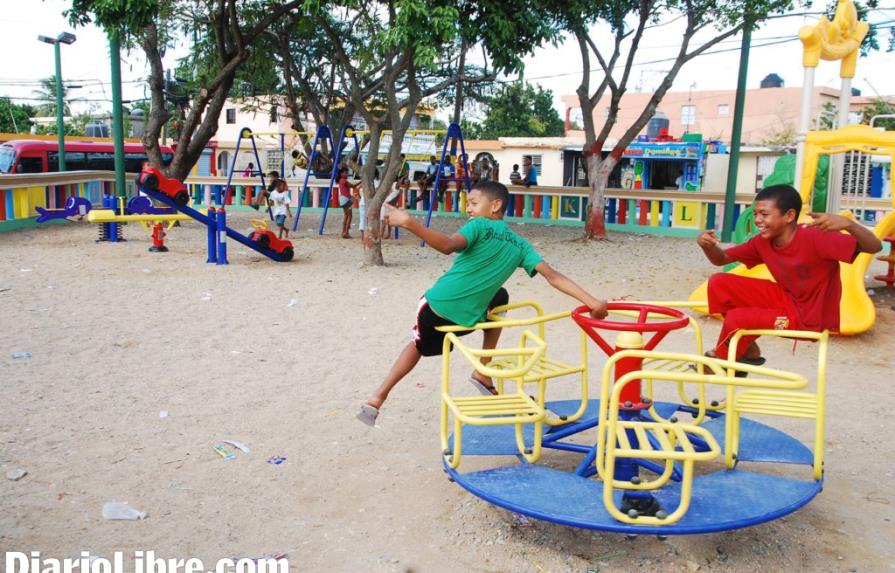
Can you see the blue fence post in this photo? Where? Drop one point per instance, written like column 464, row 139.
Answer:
column 222, row 237
column 212, row 240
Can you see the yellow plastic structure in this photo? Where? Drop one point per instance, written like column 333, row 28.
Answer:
column 545, row 368
column 516, row 408
column 673, row 438
column 109, row 216
column 837, row 40
column 856, row 311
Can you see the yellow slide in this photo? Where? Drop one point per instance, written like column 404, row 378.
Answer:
column 856, row 311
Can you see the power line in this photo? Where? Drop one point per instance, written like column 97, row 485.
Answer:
column 774, row 42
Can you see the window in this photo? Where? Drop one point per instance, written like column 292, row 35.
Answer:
column 32, row 165
column 688, row 114
column 231, row 115
column 274, row 160
column 74, row 161
column 101, row 161
column 536, row 162
column 723, row 109
column 7, row 156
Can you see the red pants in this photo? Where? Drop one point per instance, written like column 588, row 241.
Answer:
column 748, row 303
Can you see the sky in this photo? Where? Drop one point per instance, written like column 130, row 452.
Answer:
column 775, row 48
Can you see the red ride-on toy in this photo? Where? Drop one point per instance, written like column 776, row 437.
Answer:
column 268, row 240
column 152, row 178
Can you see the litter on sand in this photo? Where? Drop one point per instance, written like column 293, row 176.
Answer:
column 276, row 460
column 238, row 445
column 16, row 475
column 119, row 510
column 520, row 520
column 21, row 355
column 224, row 452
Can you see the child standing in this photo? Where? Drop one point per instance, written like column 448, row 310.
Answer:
column 515, row 176
column 279, row 205
column 803, row 259
column 346, row 200
column 489, row 253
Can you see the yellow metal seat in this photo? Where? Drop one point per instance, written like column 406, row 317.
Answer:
column 545, row 368
column 515, row 408
column 665, row 440
column 775, row 402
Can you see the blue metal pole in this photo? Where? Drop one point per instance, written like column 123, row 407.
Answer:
column 212, row 240
column 304, row 187
column 453, row 130
column 222, row 237
column 261, row 171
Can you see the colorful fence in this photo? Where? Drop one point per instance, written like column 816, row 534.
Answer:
column 21, row 194
column 673, row 213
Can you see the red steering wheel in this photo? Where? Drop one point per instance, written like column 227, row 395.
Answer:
column 589, row 324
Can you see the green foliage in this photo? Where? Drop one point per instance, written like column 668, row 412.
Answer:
column 120, row 19
column 518, row 110
column 14, row 117
column 879, row 107
column 782, row 136
column 828, row 116
column 46, row 94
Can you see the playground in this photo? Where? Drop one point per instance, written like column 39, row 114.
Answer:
column 148, row 361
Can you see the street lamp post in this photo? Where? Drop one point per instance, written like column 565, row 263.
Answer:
column 63, row 38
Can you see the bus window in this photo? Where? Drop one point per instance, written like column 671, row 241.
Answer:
column 74, row 161
column 101, row 161
column 7, row 156
column 30, row 165
column 133, row 162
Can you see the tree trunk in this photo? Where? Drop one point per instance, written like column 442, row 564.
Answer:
column 372, row 239
column 598, row 171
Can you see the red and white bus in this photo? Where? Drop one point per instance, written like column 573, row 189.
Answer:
column 33, row 156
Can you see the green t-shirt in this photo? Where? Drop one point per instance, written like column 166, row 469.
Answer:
column 493, row 252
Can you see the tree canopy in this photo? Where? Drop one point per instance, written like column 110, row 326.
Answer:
column 14, row 118
column 517, row 110
column 879, row 107
column 46, row 95
column 609, row 34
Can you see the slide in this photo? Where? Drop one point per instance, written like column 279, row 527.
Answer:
column 856, row 311
column 206, row 220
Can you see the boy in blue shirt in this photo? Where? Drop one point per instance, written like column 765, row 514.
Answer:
column 489, row 253
column 531, row 172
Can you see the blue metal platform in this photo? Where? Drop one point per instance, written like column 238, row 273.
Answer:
column 721, row 501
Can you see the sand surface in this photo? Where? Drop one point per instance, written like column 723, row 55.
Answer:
column 279, row 356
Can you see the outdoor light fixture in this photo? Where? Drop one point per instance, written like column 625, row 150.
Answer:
column 63, row 38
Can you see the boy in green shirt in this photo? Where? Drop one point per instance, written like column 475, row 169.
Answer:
column 489, row 253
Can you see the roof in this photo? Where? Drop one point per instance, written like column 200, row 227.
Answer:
column 543, row 142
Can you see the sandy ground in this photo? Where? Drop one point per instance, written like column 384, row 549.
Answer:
column 279, row 356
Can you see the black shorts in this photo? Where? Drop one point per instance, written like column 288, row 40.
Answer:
column 428, row 340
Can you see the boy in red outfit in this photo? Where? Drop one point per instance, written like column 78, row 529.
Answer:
column 803, row 259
